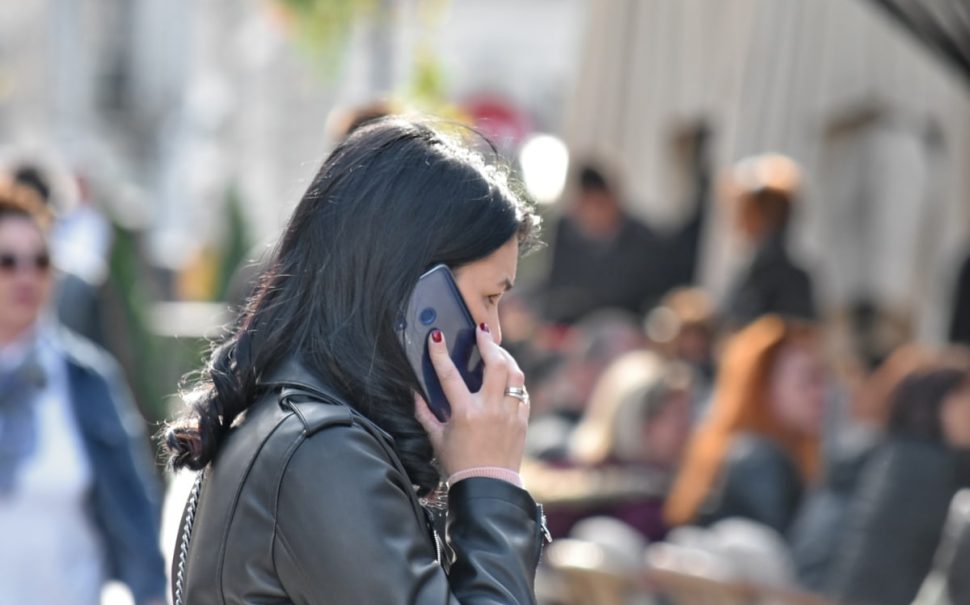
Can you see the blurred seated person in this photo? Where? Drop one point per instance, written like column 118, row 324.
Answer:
column 758, row 447
column 821, row 521
column 763, row 190
column 625, row 449
column 562, row 392
column 601, row 256
column 76, row 497
column 683, row 327
column 896, row 517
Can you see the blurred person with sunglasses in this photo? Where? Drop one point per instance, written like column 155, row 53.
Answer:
column 76, row 496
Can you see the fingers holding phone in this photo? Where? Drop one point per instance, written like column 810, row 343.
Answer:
column 503, row 378
column 486, row 428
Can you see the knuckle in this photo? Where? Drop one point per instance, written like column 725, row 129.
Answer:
column 447, row 373
column 501, row 364
column 461, row 414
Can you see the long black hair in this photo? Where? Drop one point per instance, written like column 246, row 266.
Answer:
column 395, row 198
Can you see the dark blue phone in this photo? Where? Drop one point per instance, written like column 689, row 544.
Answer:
column 437, row 303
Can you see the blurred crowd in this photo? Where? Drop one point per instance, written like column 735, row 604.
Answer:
column 687, row 449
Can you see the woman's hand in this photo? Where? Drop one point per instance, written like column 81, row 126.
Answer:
column 486, row 428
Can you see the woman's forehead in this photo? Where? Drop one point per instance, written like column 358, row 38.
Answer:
column 20, row 231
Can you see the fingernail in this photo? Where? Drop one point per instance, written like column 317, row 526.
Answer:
column 436, row 335
column 484, row 327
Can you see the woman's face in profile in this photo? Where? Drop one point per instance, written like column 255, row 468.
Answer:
column 797, row 388
column 483, row 282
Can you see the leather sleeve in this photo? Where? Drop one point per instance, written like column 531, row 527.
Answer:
column 495, row 534
column 347, row 532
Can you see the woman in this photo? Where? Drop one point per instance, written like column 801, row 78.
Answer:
column 76, row 483
column 315, row 448
column 759, row 445
column 895, row 517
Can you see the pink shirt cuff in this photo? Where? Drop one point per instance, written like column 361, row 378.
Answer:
column 493, row 472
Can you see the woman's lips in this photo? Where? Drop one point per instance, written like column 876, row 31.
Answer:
column 25, row 297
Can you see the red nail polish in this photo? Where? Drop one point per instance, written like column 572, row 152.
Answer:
column 484, row 327
column 436, row 335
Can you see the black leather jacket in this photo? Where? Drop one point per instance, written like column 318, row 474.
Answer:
column 307, row 502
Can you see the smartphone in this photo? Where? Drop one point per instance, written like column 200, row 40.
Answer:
column 437, row 303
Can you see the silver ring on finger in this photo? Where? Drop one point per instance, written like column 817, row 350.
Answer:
column 519, row 393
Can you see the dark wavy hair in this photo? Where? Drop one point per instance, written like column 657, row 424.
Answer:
column 394, row 199
column 917, row 401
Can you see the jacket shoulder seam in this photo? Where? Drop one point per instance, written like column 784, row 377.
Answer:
column 355, row 426
column 235, row 504
column 276, row 496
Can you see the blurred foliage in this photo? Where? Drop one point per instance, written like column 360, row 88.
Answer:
column 137, row 347
column 427, row 86
column 208, row 276
column 322, row 27
column 236, row 245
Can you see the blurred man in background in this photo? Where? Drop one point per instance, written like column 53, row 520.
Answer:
column 764, row 189
column 602, row 257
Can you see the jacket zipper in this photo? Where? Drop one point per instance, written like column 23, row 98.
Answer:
column 543, row 535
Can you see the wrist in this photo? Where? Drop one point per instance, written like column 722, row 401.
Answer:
column 492, row 472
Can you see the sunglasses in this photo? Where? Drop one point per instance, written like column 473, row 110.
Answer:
column 10, row 263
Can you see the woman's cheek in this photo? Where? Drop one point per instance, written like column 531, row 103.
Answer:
column 496, row 327
column 488, row 314
column 479, row 313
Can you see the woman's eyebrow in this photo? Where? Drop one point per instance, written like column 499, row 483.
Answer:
column 507, row 284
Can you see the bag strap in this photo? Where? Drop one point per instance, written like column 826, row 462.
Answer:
column 185, row 535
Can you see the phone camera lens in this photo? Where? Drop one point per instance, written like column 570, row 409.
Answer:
column 428, row 316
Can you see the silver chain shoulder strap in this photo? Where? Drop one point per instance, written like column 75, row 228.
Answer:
column 183, row 551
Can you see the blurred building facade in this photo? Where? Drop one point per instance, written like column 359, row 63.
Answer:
column 880, row 125
column 169, row 104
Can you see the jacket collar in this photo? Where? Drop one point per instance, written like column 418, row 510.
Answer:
column 293, row 372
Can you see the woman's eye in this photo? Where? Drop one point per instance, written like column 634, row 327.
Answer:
column 493, row 299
